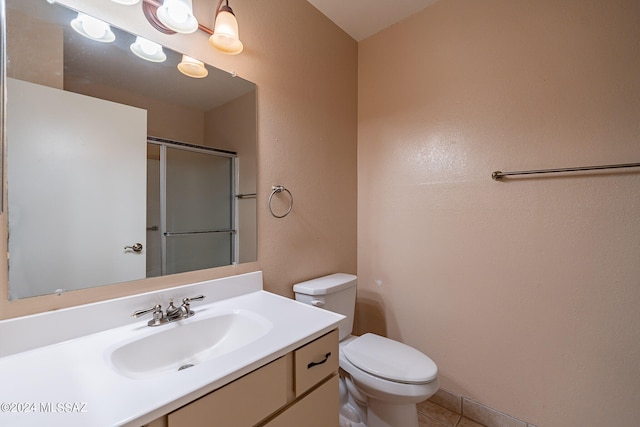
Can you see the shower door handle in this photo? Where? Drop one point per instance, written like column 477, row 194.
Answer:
column 136, row 247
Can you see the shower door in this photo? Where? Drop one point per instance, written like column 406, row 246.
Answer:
column 196, row 208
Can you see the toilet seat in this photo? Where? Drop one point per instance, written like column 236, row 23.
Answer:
column 390, row 360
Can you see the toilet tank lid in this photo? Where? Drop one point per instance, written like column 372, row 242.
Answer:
column 326, row 284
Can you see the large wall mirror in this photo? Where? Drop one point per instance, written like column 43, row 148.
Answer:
column 119, row 167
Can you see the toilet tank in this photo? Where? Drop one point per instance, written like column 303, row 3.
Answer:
column 335, row 292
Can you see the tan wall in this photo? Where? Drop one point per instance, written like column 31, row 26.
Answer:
column 164, row 120
column 306, row 72
column 38, row 59
column 526, row 292
column 232, row 126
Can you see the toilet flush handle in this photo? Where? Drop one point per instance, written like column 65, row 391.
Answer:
column 317, row 303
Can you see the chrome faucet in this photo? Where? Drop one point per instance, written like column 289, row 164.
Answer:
column 173, row 313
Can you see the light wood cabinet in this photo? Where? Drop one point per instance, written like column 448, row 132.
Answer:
column 244, row 402
column 319, row 408
column 300, row 388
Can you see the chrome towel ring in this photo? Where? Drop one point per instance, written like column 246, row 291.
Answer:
column 280, row 189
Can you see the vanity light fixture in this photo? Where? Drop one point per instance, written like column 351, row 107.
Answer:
column 192, row 67
column 177, row 15
column 225, row 36
column 148, row 50
column 93, row 28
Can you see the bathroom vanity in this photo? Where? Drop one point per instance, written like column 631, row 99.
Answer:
column 247, row 357
column 299, row 388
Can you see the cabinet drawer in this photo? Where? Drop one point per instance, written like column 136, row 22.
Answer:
column 241, row 403
column 315, row 361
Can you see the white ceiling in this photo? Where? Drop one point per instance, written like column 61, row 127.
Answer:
column 363, row 18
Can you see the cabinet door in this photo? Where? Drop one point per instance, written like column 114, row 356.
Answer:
column 319, row 408
column 159, row 422
column 242, row 403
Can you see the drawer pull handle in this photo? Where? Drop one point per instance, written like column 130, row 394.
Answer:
column 312, row 364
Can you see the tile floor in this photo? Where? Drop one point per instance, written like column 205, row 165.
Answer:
column 432, row 415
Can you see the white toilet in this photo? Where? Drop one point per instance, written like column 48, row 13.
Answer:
column 381, row 380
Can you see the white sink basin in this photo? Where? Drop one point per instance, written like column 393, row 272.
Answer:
column 186, row 343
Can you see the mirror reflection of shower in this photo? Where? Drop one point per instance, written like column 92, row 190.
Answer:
column 88, row 105
column 191, row 208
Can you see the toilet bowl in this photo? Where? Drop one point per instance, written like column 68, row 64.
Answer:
column 381, row 379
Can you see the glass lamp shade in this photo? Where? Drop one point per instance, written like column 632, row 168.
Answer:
column 93, row 28
column 177, row 15
column 225, row 36
column 126, row 2
column 192, row 67
column 148, row 50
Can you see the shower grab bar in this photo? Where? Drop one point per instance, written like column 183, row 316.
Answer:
column 182, row 233
column 498, row 175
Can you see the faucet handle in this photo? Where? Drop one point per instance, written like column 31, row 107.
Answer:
column 186, row 304
column 187, row 300
column 158, row 317
column 153, row 309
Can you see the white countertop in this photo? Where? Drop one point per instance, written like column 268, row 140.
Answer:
column 73, row 383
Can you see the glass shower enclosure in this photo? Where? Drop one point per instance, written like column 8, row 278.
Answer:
column 190, row 207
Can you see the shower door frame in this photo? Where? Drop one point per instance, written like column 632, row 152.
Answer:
column 163, row 145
